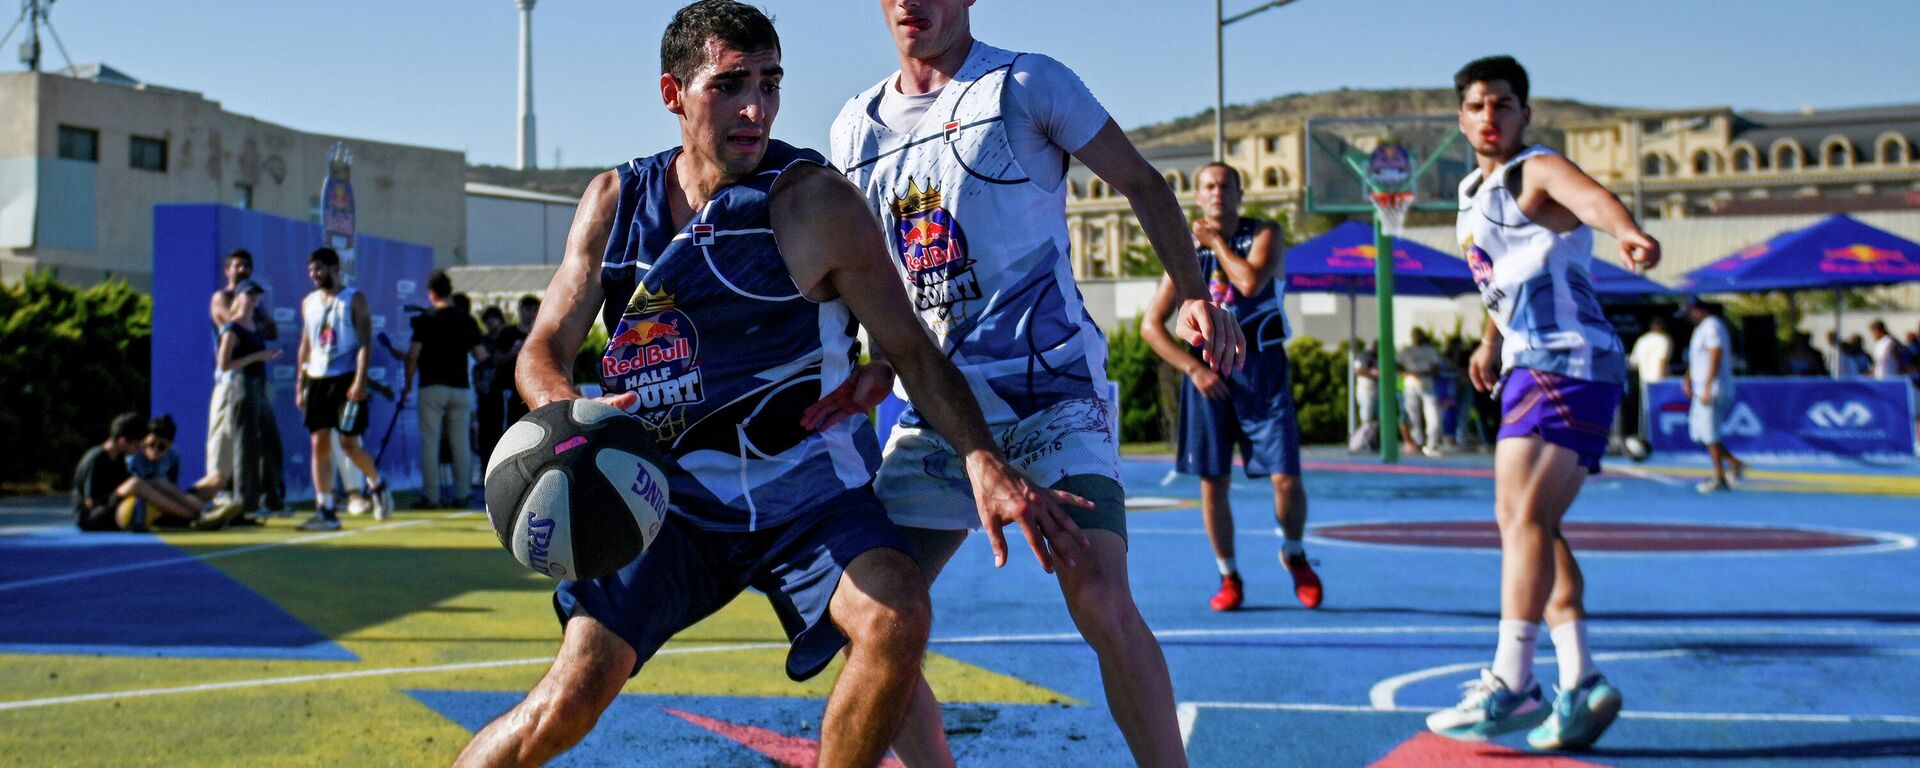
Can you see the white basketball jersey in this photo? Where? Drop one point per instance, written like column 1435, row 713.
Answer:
column 332, row 342
column 982, row 248
column 1536, row 282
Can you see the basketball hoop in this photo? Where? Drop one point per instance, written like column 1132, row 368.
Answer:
column 1390, row 209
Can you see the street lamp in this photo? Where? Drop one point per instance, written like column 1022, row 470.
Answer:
column 1220, row 22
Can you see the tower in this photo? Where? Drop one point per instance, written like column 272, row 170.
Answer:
column 526, row 159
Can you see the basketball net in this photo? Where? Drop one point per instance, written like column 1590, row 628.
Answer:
column 1390, row 209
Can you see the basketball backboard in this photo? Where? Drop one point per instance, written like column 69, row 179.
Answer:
column 1342, row 152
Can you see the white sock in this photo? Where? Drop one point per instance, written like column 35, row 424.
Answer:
column 1570, row 649
column 1227, row 566
column 1513, row 657
column 1291, row 547
column 323, row 500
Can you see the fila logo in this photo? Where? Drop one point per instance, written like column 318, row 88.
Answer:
column 953, row 131
column 1830, row 416
column 1741, row 422
column 703, row 234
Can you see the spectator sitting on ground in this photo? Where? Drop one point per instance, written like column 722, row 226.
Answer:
column 158, row 464
column 107, row 496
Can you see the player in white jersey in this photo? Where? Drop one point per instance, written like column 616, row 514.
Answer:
column 1560, row 372
column 963, row 154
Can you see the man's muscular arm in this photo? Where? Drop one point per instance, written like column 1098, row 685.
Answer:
column 1112, row 157
column 834, row 248
column 544, row 372
column 1564, row 183
column 1251, row 272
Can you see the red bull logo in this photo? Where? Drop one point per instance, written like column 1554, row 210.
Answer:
column 932, row 248
column 1733, row 262
column 1867, row 260
column 1363, row 257
column 652, row 354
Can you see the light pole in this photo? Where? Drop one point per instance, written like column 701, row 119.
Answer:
column 1220, row 22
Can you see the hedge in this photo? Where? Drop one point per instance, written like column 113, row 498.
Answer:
column 1149, row 388
column 70, row 360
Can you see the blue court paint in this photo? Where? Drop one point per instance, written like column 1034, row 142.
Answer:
column 637, row 730
column 180, row 609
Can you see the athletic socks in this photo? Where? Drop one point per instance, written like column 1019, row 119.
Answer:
column 323, row 500
column 1513, row 657
column 1570, row 650
column 1227, row 566
column 1292, row 548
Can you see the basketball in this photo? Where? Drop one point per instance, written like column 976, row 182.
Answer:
column 1636, row 449
column 575, row 490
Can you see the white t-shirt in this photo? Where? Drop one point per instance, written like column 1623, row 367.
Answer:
column 1048, row 110
column 1886, row 358
column 1709, row 335
column 1650, row 354
column 1421, row 362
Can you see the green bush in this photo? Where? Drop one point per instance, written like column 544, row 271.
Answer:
column 1150, row 389
column 70, row 360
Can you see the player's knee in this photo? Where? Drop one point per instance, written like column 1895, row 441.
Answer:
column 890, row 612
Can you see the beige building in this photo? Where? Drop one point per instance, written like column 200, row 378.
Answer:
column 1690, row 163
column 85, row 156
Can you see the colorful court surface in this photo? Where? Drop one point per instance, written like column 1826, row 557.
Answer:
column 1775, row 625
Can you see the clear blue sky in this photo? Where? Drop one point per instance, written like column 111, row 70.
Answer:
column 441, row 73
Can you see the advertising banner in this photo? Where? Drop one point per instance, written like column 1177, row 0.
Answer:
column 1796, row 419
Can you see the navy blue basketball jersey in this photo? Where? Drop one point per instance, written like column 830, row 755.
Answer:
column 706, row 326
column 1262, row 318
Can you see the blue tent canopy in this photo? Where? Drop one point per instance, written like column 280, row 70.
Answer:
column 1839, row 252
column 1610, row 280
column 1342, row 261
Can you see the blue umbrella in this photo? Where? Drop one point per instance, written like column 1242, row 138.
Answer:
column 1341, row 261
column 1609, row 280
column 1838, row 252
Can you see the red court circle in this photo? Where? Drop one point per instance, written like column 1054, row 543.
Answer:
column 1600, row 537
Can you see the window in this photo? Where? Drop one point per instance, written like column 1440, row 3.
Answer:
column 1177, row 181
column 1233, row 147
column 1273, row 144
column 1653, row 125
column 1272, row 178
column 1893, row 151
column 1745, row 159
column 243, row 196
column 1655, row 165
column 1786, row 157
column 1705, row 164
column 1097, row 189
column 147, row 154
column 1838, row 155
column 79, row 144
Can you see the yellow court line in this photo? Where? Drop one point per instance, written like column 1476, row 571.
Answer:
column 1909, row 483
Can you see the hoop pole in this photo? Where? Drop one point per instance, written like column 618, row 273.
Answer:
column 1389, row 367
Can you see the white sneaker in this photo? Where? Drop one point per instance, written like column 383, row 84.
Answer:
column 358, row 505
column 382, row 503
column 1711, row 485
column 1488, row 709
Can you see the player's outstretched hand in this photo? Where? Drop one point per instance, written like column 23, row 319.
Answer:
column 1004, row 497
column 863, row 390
column 1484, row 368
column 1210, row 327
column 1639, row 251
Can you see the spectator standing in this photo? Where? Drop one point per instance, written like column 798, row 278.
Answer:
column 1366, row 389
column 1709, row 389
column 442, row 340
column 1421, row 363
column 256, row 466
column 512, row 339
column 489, row 401
column 1886, row 354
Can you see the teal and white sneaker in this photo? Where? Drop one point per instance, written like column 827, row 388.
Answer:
column 1579, row 716
column 1488, row 709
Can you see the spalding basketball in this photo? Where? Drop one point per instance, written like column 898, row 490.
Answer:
column 575, row 490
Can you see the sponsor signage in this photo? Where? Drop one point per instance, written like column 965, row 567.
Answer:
column 1797, row 419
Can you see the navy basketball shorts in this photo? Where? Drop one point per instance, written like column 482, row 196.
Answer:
column 1575, row 414
column 690, row 572
column 1258, row 417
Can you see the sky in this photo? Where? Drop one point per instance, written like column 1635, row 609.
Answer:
column 442, row 73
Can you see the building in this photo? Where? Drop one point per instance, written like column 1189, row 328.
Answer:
column 515, row 227
column 1682, row 163
column 85, row 155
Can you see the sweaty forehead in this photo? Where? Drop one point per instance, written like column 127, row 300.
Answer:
column 721, row 60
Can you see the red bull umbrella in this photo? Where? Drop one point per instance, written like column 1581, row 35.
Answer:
column 1838, row 252
column 1341, row 261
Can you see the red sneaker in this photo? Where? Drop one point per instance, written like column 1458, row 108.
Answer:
column 1306, row 583
column 1229, row 596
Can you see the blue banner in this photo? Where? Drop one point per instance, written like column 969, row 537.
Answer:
column 190, row 243
column 1796, row 419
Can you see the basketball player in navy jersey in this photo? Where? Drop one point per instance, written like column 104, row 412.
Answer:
column 1526, row 221
column 730, row 272
column 1252, row 407
column 963, row 153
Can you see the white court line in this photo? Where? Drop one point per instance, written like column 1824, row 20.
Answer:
column 77, row 575
column 1635, row 630
column 1381, row 695
column 295, row 679
column 1635, row 472
column 1761, row 717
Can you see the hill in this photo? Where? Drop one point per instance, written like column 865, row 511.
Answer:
column 1282, row 112
column 1277, row 113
